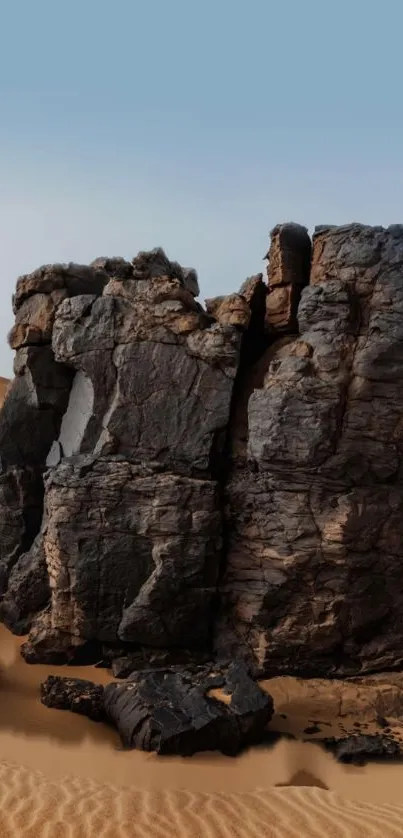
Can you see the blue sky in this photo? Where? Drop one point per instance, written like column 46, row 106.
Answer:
column 194, row 126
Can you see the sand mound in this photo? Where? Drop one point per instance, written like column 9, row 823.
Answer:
column 33, row 807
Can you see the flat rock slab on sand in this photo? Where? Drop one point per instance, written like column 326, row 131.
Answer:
column 173, row 711
column 358, row 750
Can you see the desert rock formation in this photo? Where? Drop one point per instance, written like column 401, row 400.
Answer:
column 313, row 580
column 187, row 481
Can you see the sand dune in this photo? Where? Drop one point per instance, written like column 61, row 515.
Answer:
column 33, row 807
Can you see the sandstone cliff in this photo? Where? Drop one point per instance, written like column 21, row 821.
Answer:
column 179, row 480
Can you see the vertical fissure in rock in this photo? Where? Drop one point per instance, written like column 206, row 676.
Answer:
column 272, row 328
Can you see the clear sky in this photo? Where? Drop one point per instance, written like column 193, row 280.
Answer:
column 126, row 124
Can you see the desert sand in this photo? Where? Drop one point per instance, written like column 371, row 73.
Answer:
column 64, row 776
column 33, row 806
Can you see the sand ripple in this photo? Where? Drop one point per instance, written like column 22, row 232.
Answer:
column 33, row 807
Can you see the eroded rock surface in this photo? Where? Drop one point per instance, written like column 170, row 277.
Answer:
column 228, row 475
column 33, row 409
column 74, row 694
column 313, row 581
column 130, row 545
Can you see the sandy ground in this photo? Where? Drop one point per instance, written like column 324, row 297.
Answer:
column 62, row 775
column 32, row 806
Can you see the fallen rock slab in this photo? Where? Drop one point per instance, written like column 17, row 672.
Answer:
column 358, row 750
column 172, row 711
column 180, row 711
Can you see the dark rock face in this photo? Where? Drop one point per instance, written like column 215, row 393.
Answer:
column 32, row 414
column 149, row 551
column 172, row 711
column 130, row 546
column 28, row 590
column 229, row 474
column 314, row 515
column 358, row 750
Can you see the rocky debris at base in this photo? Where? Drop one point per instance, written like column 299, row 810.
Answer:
column 358, row 750
column 74, row 694
column 173, row 711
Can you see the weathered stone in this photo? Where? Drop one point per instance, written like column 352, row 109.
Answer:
column 312, row 583
column 289, row 255
column 21, row 493
column 190, row 281
column 73, row 279
column 46, row 644
column 233, row 310
column 30, row 421
column 287, row 273
column 74, row 694
column 150, row 547
column 28, row 589
column 281, row 309
column 157, row 418
column 145, row 657
column 254, row 291
column 32, row 412
column 115, row 267
column 182, row 712
column 146, row 371
column 150, row 379
column 358, row 750
column 148, row 265
column 33, row 322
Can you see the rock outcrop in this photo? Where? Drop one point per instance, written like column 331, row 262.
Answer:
column 182, row 481
column 313, row 579
column 33, row 410
column 131, row 537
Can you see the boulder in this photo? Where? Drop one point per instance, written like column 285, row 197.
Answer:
column 184, row 711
